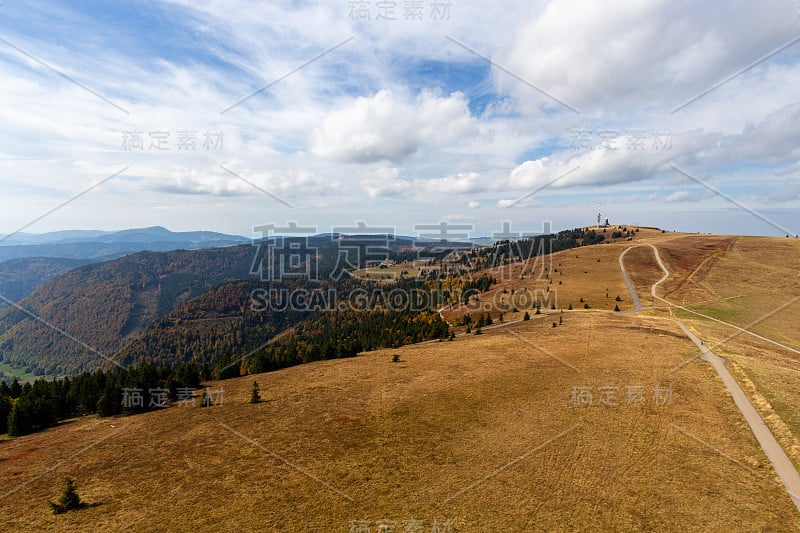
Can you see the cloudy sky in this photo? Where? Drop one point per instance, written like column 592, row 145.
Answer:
column 224, row 115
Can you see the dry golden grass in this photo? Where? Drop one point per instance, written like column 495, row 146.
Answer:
column 479, row 432
column 752, row 283
column 565, row 278
column 407, row 441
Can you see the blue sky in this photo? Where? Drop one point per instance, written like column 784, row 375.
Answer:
column 400, row 122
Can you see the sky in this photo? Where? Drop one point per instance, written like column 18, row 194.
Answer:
column 227, row 115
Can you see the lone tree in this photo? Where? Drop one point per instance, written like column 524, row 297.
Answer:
column 69, row 499
column 616, row 308
column 396, row 358
column 526, row 316
column 206, row 400
column 255, row 397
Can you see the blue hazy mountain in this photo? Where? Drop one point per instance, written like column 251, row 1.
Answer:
column 104, row 245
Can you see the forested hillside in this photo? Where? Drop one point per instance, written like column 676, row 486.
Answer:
column 104, row 304
column 20, row 277
column 202, row 306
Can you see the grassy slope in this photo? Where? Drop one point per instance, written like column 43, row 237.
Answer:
column 749, row 282
column 401, row 439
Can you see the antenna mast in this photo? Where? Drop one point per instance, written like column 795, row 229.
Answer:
column 598, row 215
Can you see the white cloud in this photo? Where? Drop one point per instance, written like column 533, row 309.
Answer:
column 789, row 191
column 633, row 53
column 684, row 196
column 386, row 127
column 597, row 167
column 473, row 204
column 461, row 183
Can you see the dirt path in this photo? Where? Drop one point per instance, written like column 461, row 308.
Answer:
column 637, row 305
column 780, row 461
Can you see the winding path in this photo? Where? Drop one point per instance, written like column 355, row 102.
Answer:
column 780, row 461
column 637, row 305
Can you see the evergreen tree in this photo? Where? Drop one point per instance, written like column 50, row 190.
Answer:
column 69, row 499
column 5, row 410
column 526, row 316
column 255, row 397
column 16, row 389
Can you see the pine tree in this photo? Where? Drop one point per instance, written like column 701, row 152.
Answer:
column 526, row 316
column 255, row 397
column 5, row 410
column 16, row 389
column 69, row 499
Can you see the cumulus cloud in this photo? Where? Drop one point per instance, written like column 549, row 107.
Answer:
column 684, row 196
column 787, row 192
column 639, row 52
column 473, row 204
column 217, row 182
column 461, row 183
column 389, row 127
column 599, row 166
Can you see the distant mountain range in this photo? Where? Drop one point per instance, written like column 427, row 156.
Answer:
column 105, row 245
